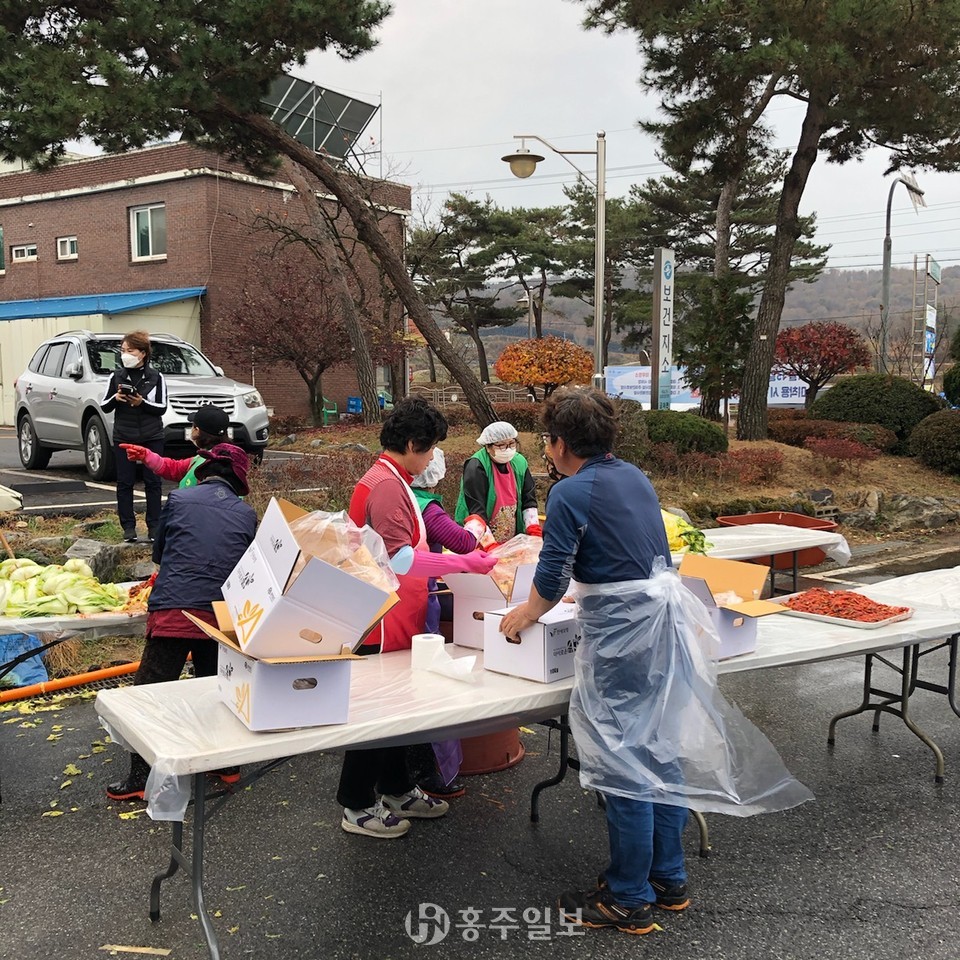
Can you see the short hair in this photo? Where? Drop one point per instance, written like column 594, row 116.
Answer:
column 207, row 440
column 140, row 340
column 413, row 420
column 584, row 417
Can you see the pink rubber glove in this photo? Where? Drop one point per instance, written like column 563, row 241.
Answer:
column 152, row 461
column 135, row 453
column 426, row 564
column 478, row 527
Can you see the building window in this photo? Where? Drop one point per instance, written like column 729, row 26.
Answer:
column 148, row 232
column 66, row 248
column 23, row 251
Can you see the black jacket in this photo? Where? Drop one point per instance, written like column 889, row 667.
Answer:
column 203, row 533
column 144, row 423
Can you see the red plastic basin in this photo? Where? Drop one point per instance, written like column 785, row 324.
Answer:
column 810, row 557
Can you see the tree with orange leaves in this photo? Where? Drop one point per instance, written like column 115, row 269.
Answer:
column 549, row 362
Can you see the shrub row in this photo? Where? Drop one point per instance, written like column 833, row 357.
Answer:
column 893, row 402
column 936, row 441
column 796, row 430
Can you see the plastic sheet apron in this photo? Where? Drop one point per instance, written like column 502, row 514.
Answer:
column 646, row 713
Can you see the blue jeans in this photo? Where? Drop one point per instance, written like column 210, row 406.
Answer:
column 645, row 843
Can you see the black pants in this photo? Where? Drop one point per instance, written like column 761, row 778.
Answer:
column 365, row 773
column 126, row 477
column 163, row 659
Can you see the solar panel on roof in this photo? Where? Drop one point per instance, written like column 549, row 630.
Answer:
column 323, row 120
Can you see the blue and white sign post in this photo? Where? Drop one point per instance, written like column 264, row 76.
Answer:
column 661, row 334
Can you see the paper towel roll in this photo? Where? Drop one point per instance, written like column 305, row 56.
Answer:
column 424, row 647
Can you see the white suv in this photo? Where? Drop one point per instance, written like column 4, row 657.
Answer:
column 58, row 398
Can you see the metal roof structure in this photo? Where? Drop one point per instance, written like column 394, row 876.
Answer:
column 109, row 303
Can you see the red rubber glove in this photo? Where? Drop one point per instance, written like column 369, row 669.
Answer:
column 534, row 530
column 134, row 452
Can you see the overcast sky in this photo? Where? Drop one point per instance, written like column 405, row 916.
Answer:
column 457, row 78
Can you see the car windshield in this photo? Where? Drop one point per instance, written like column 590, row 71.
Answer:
column 171, row 359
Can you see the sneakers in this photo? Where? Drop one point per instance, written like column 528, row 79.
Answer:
column 151, row 535
column 130, row 536
column 670, row 896
column 597, row 909
column 375, row 821
column 435, row 787
column 416, row 804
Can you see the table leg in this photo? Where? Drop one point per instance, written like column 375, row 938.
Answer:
column 176, row 859
column 195, row 868
column 896, row 704
column 565, row 763
column 199, row 806
column 705, row 847
column 796, row 570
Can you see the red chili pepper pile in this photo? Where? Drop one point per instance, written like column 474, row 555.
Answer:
column 842, row 604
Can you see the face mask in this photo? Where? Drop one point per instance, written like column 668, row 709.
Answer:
column 504, row 456
column 129, row 360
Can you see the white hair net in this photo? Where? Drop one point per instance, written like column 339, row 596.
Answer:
column 433, row 473
column 498, row 432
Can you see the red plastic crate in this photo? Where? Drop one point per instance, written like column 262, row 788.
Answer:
column 810, row 557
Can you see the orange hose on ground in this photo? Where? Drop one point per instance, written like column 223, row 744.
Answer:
column 64, row 683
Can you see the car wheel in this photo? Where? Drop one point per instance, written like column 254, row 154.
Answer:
column 97, row 450
column 32, row 455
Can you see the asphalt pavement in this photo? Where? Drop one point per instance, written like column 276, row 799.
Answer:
column 867, row 871
column 65, row 488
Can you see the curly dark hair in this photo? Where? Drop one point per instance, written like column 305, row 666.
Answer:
column 413, row 420
column 584, row 417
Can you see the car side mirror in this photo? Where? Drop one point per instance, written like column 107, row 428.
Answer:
column 73, row 370
column 219, row 370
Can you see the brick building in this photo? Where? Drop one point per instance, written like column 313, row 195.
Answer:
column 175, row 223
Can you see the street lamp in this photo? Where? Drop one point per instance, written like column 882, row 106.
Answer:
column 527, row 301
column 522, row 164
column 916, row 198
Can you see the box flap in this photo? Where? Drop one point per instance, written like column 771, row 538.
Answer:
column 522, row 582
column 230, row 641
column 347, row 600
column 276, row 542
column 755, row 608
column 698, row 587
column 474, row 585
column 290, row 511
column 746, row 580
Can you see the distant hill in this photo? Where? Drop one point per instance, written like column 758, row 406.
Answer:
column 849, row 296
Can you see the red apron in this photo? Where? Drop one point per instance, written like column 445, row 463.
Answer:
column 409, row 616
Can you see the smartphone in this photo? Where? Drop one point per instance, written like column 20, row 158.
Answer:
column 126, row 388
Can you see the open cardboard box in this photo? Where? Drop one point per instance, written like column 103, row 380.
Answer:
column 475, row 594
column 277, row 693
column 285, row 603
column 546, row 648
column 736, row 623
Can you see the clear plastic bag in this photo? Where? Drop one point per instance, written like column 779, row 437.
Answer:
column 648, row 718
column 336, row 539
column 510, row 555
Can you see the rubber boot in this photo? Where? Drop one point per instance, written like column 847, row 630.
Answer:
column 133, row 787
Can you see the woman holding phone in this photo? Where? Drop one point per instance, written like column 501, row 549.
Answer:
column 137, row 397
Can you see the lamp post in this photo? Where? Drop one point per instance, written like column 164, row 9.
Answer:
column 527, row 301
column 916, row 197
column 522, row 164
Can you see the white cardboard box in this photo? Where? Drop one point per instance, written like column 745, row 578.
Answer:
column 278, row 693
column 316, row 613
column 475, row 594
column 546, row 648
column 736, row 623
